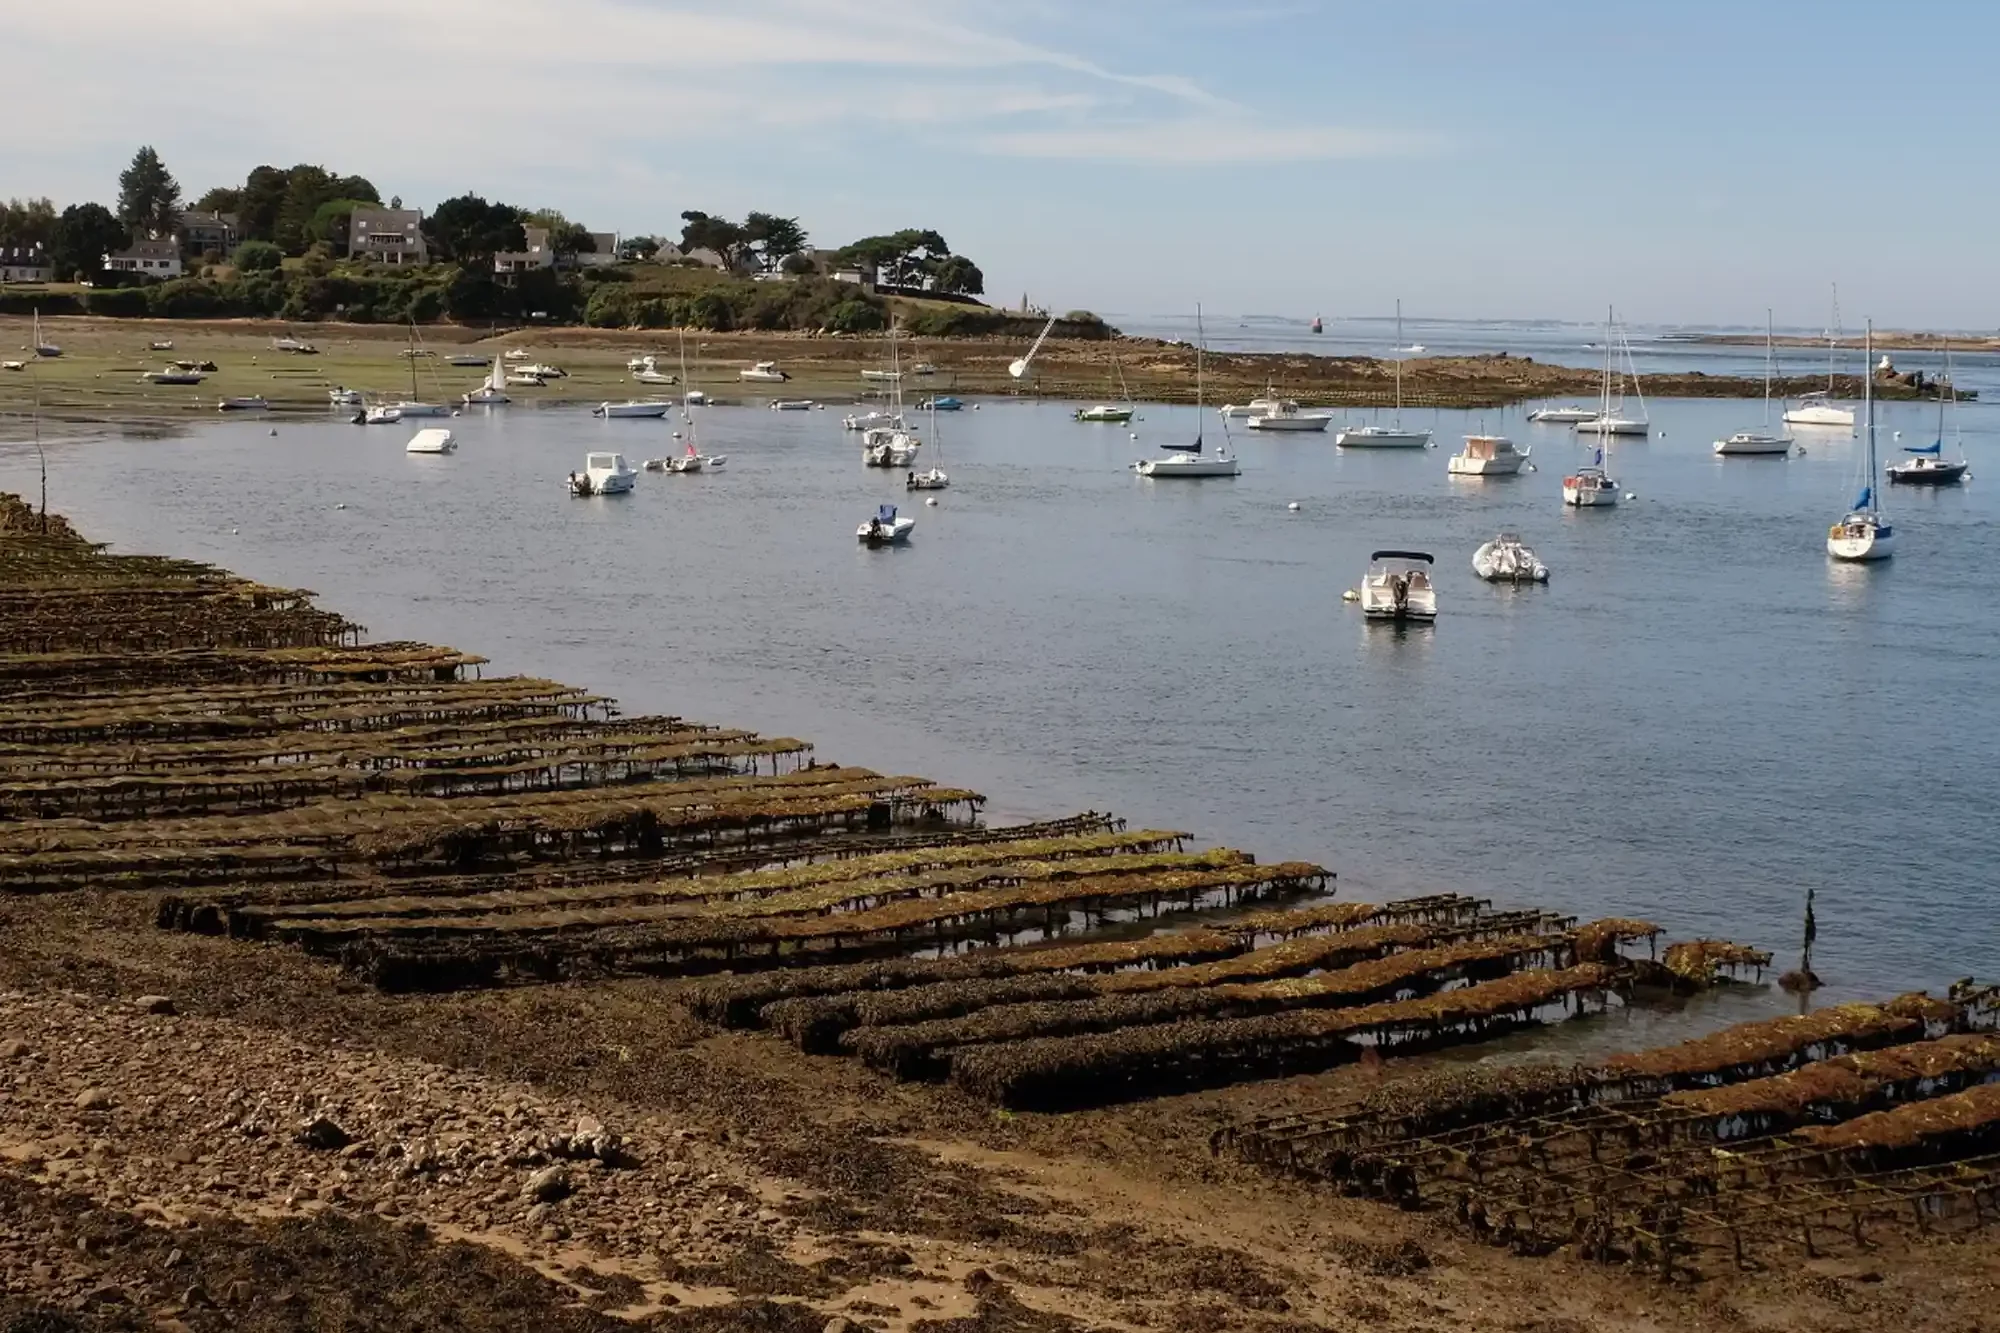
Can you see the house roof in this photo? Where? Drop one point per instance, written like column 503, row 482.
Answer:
column 149, row 250
column 198, row 218
column 387, row 219
column 23, row 254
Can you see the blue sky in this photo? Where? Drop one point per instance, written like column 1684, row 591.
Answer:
column 1695, row 161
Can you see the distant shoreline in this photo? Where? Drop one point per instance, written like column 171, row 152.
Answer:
column 1883, row 342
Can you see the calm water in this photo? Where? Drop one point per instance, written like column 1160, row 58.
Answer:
column 1698, row 719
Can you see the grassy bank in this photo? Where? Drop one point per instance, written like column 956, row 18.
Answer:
column 99, row 375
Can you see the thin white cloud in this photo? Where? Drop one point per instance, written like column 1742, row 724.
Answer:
column 1204, row 141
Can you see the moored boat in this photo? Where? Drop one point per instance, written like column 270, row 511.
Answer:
column 1562, row 416
column 248, row 403
column 1487, row 456
column 1927, row 465
column 431, row 440
column 603, row 474
column 1507, row 559
column 764, row 372
column 632, row 408
column 1289, row 416
column 1398, row 587
column 1104, row 412
column 887, row 528
column 173, row 377
column 1863, row 534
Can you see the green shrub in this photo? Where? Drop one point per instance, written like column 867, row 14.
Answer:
column 258, row 257
column 119, row 302
column 854, row 316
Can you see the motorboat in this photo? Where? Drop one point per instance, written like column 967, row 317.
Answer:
column 923, row 368
column 1591, row 486
column 1487, row 456
column 386, row 415
column 603, row 474
column 1256, row 407
column 872, row 420
column 518, row 354
column 171, row 376
column 252, row 403
column 1289, row 416
column 431, row 440
column 882, row 376
column 1398, row 587
column 653, row 409
column 342, row 396
column 1562, row 416
column 694, row 398
column 1507, row 559
column 792, row 404
column 160, row 345
column 932, row 480
column 1927, row 465
column 466, row 360
column 408, row 409
column 945, row 404
column 1382, row 437
column 13, row 365
column 655, row 465
column 649, row 375
column 1117, row 416
column 888, row 446
column 764, row 372
column 646, row 362
column 521, row 379
column 1754, row 443
column 887, row 528
column 493, row 391
column 545, row 372
column 205, row 367
column 296, row 346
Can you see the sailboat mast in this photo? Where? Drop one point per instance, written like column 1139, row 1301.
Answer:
column 1399, row 361
column 1832, row 340
column 1200, row 395
column 413, row 360
column 1868, row 407
column 1768, row 355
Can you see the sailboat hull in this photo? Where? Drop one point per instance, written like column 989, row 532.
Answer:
column 1749, row 444
column 1820, row 416
column 1382, row 437
column 1930, row 474
column 1612, row 426
column 1878, row 544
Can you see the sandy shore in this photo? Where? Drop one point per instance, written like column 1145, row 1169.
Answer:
column 99, row 375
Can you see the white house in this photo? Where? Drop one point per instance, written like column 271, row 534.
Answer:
column 539, row 255
column 606, row 251
column 388, row 236
column 27, row 264
column 149, row 259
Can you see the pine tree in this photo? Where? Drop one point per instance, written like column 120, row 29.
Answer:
column 149, row 199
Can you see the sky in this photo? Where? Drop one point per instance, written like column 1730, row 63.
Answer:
column 1691, row 162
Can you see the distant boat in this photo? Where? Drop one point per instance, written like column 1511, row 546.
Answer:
column 1567, row 416
column 1317, row 325
column 385, row 415
column 1487, row 456
column 1507, row 559
column 431, row 440
column 408, row 409
column 887, row 528
column 935, row 478
column 296, row 346
column 603, row 474
column 881, row 376
column 1190, row 460
column 1864, row 535
column 1592, row 485
column 764, row 372
column 1819, row 409
column 43, row 347
column 891, row 444
column 465, row 360
column 945, row 404
column 1398, row 587
column 870, row 420
column 342, row 396
column 1106, row 413
column 1927, row 465
column 1611, row 418
column 792, row 404
column 160, row 345
column 1289, row 416
column 246, row 404
column 1751, row 443
column 1393, row 435
column 13, row 365
column 1255, row 407
column 493, row 391
column 632, row 408
column 172, row 377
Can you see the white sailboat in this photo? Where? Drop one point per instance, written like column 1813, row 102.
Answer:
column 414, row 406
column 493, row 391
column 1819, row 409
column 42, row 346
column 693, row 459
column 935, row 478
column 1752, row 443
column 1562, row 416
column 1611, row 418
column 891, row 444
column 1189, row 460
column 1864, row 534
column 1592, row 485
column 1393, row 435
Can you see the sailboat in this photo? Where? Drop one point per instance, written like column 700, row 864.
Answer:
column 1117, row 415
column 1819, row 409
column 1611, row 418
column 1750, row 443
column 934, row 479
column 412, row 406
column 1927, row 465
column 693, row 460
column 1188, row 460
column 494, row 390
column 1592, row 485
column 43, row 348
column 1391, row 436
column 891, row 444
column 1864, row 534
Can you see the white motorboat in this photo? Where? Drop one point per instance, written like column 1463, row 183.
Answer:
column 431, row 440
column 251, row 403
column 466, row 360
column 518, row 354
column 544, row 372
column 1382, row 437
column 1256, row 407
column 923, row 368
column 518, row 379
column 887, row 528
column 886, row 446
column 881, row 376
column 1393, row 435
column 160, row 345
column 172, row 376
column 652, row 409
column 642, row 362
column 43, row 347
column 872, row 420
column 651, row 376
column 1487, row 456
column 1760, row 442
column 408, row 410
column 1820, row 409
column 13, row 365
column 382, row 416
column 296, row 346
column 1289, row 416
column 1398, row 587
column 603, row 474
column 1864, row 534
column 694, row 398
column 1507, row 559
column 342, row 396
column 1562, row 416
column 764, row 372
column 493, row 391
column 792, row 404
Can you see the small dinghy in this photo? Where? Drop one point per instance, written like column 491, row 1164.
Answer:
column 1507, row 559
column 885, row 529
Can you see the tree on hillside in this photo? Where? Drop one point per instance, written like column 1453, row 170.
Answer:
column 263, row 194
column 82, row 236
column 724, row 237
column 773, row 240
column 958, row 275
column 903, row 256
column 258, row 257
column 221, row 199
column 640, row 247
column 149, row 199
column 27, row 223
column 571, row 239
column 468, row 229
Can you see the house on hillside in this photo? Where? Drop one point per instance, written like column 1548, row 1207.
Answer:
column 148, row 259
column 605, row 250
column 539, row 255
column 25, row 264
column 202, row 232
column 387, row 236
